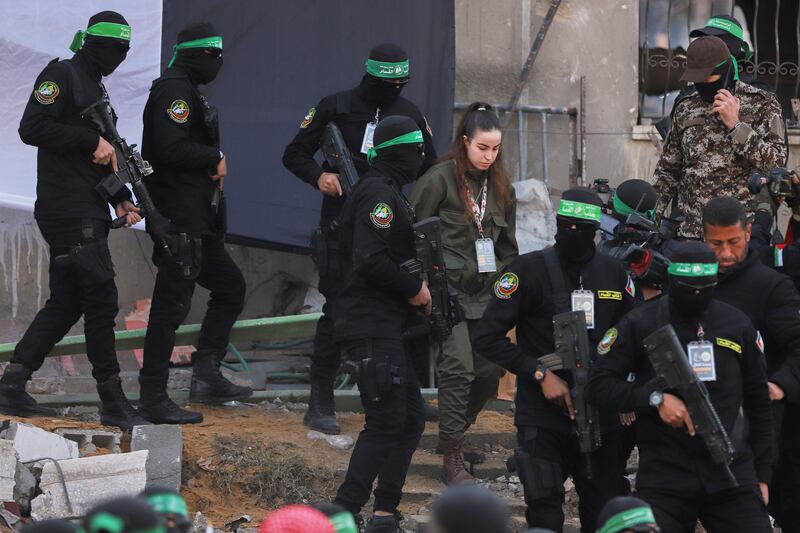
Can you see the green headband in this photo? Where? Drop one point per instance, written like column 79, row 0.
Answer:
column 101, row 29
column 168, row 502
column 344, row 523
column 735, row 66
column 693, row 270
column 568, row 208
column 114, row 524
column 412, row 137
column 205, row 42
column 624, row 209
column 384, row 69
column 631, row 517
column 733, row 29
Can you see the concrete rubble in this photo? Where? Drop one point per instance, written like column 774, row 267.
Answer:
column 8, row 470
column 88, row 440
column 34, row 443
column 88, row 480
column 165, row 445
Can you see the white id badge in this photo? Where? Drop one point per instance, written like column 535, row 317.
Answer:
column 701, row 358
column 369, row 133
column 484, row 249
column 584, row 301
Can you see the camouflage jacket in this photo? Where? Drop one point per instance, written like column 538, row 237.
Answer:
column 702, row 160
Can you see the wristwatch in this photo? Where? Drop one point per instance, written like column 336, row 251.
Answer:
column 540, row 373
column 656, row 399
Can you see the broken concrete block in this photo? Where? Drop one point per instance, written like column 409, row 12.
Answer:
column 24, row 488
column 34, row 443
column 165, row 443
column 8, row 469
column 89, row 481
column 99, row 438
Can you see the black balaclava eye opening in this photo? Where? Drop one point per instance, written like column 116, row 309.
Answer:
column 576, row 245
column 382, row 91
column 199, row 64
column 727, row 81
column 401, row 162
column 104, row 54
column 691, row 281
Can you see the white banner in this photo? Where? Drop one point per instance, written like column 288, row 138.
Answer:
column 34, row 32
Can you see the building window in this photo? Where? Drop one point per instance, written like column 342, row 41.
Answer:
column 771, row 28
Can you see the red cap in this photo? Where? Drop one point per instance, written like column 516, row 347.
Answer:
column 296, row 519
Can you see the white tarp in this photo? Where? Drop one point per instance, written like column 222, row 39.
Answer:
column 34, row 32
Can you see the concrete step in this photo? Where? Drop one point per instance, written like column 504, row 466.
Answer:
column 429, row 465
column 480, row 439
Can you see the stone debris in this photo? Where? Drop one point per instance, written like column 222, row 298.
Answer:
column 8, row 470
column 340, row 442
column 90, row 439
column 34, row 443
column 165, row 444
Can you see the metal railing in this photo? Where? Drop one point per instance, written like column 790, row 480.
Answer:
column 576, row 166
column 772, row 27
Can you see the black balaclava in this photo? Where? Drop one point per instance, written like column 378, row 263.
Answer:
column 171, row 506
column 380, row 90
column 104, row 53
column 577, row 245
column 727, row 80
column 471, row 509
column 200, row 65
column 123, row 515
column 624, row 513
column 401, row 162
column 692, row 276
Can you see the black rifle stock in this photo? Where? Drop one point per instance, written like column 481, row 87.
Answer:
column 429, row 264
column 573, row 350
column 132, row 169
column 671, row 364
column 338, row 156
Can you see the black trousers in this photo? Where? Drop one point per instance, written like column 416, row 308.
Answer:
column 83, row 287
column 737, row 509
column 556, row 457
column 326, row 358
column 784, row 491
column 172, row 297
column 394, row 424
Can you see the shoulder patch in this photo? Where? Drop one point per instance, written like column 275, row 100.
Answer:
column 178, row 111
column 608, row 340
column 609, row 295
column 381, row 215
column 47, row 92
column 759, row 342
column 725, row 343
column 308, row 118
column 506, row 285
column 427, row 125
column 630, row 288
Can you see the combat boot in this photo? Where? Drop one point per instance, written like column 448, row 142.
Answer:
column 208, row 383
column 453, row 471
column 156, row 407
column 14, row 400
column 115, row 409
column 321, row 413
column 383, row 524
column 471, row 454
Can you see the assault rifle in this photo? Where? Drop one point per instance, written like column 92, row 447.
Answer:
column 573, row 353
column 672, row 365
column 132, row 169
column 338, row 156
column 429, row 264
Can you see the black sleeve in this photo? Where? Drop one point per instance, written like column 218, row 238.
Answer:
column 756, row 405
column 299, row 154
column 41, row 124
column 430, row 149
column 783, row 322
column 172, row 144
column 619, row 353
column 371, row 244
column 515, row 293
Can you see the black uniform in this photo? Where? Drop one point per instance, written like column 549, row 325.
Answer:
column 772, row 303
column 371, row 312
column 677, row 476
column 351, row 110
column 71, row 214
column 525, row 298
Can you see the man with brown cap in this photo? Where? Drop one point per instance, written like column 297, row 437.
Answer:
column 721, row 135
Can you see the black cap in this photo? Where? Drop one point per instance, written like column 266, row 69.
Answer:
column 107, row 16
column 692, row 253
column 637, row 195
column 621, row 504
column 471, row 509
column 718, row 27
column 391, row 127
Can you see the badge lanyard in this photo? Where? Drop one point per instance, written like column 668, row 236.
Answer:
column 701, row 357
column 583, row 300
column 369, row 133
column 484, row 248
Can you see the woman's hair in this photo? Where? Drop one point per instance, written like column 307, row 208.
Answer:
column 479, row 116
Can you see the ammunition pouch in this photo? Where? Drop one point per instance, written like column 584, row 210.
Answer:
column 92, row 257
column 539, row 478
column 376, row 377
column 187, row 253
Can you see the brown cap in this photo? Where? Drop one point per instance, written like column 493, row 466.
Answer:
column 703, row 56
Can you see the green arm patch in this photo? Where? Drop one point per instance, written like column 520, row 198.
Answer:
column 381, row 215
column 178, row 111
column 47, row 92
column 506, row 285
column 609, row 295
column 608, row 340
column 308, row 118
column 725, row 343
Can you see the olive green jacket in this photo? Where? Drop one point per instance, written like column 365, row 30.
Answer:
column 436, row 194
